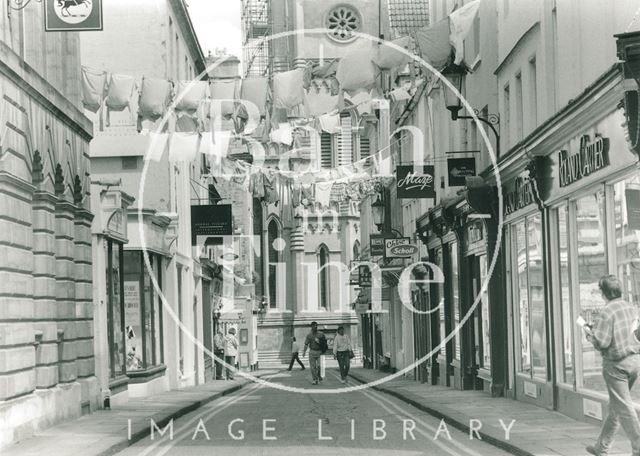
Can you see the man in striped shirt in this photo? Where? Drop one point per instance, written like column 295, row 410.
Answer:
column 614, row 335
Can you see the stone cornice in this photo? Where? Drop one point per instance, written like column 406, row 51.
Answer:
column 25, row 77
column 84, row 214
column 17, row 183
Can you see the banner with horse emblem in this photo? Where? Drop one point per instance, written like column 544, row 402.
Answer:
column 72, row 15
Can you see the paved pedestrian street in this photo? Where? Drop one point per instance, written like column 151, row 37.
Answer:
column 259, row 420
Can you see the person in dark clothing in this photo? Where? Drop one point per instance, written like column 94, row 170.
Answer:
column 295, row 349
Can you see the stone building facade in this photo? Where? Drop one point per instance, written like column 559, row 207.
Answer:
column 46, row 311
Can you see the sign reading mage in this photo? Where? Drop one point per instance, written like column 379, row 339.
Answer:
column 73, row 15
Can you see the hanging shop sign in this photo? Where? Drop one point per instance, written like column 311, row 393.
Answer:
column 413, row 184
column 518, row 194
column 632, row 197
column 364, row 276
column 210, row 220
column 590, row 157
column 459, row 169
column 72, row 15
column 376, row 245
column 399, row 248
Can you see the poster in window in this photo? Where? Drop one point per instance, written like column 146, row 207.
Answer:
column 244, row 336
column 133, row 331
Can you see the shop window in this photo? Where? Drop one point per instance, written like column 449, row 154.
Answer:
column 627, row 235
column 115, row 323
column 455, row 298
column 530, row 296
column 568, row 375
column 440, row 299
column 141, row 307
column 484, row 310
column 591, row 265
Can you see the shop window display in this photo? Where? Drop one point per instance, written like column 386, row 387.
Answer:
column 530, row 296
column 565, row 291
column 114, row 312
column 486, row 325
column 591, row 265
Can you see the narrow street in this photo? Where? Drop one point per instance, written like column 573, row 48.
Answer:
column 294, row 429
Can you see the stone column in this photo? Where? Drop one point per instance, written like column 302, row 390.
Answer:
column 297, row 259
column 17, row 354
column 85, row 359
column 44, row 293
column 66, row 289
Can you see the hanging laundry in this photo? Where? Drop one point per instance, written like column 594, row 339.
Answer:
column 460, row 24
column 388, row 57
column 190, row 95
column 256, row 185
column 283, row 134
column 255, row 90
column 434, row 44
column 329, row 123
column 224, row 92
column 288, row 91
column 157, row 145
column 296, row 194
column 328, row 69
column 119, row 92
column 323, row 193
column 320, row 101
column 306, row 194
column 307, row 76
column 155, row 96
column 93, row 88
column 356, row 70
column 183, row 147
column 362, row 100
column 271, row 194
column 187, row 124
column 399, row 94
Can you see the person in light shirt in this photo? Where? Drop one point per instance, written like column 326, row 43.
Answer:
column 230, row 351
column 342, row 352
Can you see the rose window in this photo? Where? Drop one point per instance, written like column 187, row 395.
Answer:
column 342, row 21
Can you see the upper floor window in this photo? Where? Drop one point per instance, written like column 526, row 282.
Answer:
column 323, row 277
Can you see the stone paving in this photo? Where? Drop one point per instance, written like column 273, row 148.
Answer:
column 105, row 432
column 537, row 431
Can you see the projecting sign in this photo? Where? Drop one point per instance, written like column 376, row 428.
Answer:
column 459, row 169
column 364, row 276
column 399, row 248
column 376, row 245
column 72, row 15
column 415, row 184
column 210, row 220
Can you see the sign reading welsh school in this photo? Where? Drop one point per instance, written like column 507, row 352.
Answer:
column 413, row 184
column 210, row 220
column 591, row 157
column 72, row 15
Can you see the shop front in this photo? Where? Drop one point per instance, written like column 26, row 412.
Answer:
column 570, row 206
column 143, row 316
column 593, row 231
column 109, row 235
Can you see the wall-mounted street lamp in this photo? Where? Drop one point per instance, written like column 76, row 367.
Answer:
column 377, row 211
column 455, row 75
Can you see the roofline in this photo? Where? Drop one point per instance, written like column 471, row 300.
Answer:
column 184, row 19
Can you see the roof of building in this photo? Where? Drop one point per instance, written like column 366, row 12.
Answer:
column 405, row 16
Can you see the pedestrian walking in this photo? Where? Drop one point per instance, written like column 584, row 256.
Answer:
column 218, row 352
column 295, row 349
column 316, row 342
column 343, row 352
column 614, row 334
column 230, row 351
